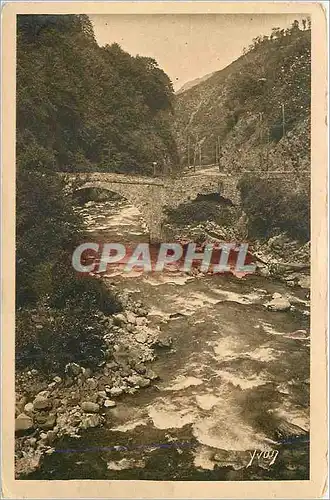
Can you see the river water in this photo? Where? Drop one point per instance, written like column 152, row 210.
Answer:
column 232, row 400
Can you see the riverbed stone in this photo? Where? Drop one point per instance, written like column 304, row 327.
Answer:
column 49, row 423
column 119, row 319
column 138, row 381
column 51, row 436
column 150, row 374
column 88, row 421
column 23, row 423
column 304, row 282
column 115, row 391
column 278, row 304
column 92, row 383
column 87, row 372
column 41, row 403
column 90, row 407
column 28, row 408
column 102, row 395
column 140, row 368
column 109, row 403
column 165, row 342
column 73, row 369
column 131, row 318
column 141, row 337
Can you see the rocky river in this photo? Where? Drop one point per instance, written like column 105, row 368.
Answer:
column 231, row 401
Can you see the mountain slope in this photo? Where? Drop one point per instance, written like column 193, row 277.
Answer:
column 241, row 108
column 193, row 83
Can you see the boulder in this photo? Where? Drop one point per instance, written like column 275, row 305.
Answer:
column 49, row 423
column 87, row 372
column 138, row 381
column 92, row 383
column 109, row 403
column 90, row 421
column 23, row 423
column 165, row 342
column 42, row 403
column 141, row 337
column 28, row 408
column 73, row 369
column 131, row 318
column 278, row 304
column 90, row 407
column 119, row 319
column 304, row 282
column 141, row 321
column 102, row 395
column 115, row 391
column 150, row 374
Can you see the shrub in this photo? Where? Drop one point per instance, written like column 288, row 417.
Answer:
column 202, row 211
column 271, row 206
column 48, row 338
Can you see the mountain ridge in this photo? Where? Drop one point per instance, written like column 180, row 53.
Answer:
column 192, row 83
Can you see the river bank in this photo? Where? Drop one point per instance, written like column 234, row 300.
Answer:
column 50, row 408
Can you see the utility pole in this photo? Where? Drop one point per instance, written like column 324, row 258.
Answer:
column 260, row 127
column 196, row 150
column 283, row 120
column 188, row 151
column 219, row 152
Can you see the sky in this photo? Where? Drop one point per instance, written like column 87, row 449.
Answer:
column 187, row 46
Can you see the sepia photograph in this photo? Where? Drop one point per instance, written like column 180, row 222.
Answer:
column 163, row 246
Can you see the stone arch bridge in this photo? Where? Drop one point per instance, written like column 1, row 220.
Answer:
column 152, row 196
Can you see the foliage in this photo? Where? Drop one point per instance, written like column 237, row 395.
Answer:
column 89, row 107
column 202, row 211
column 58, row 314
column 271, row 207
column 258, row 110
column 69, row 306
column 49, row 338
column 242, row 105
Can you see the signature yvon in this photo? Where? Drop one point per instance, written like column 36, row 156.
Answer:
column 264, row 456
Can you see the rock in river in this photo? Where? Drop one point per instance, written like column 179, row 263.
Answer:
column 138, row 381
column 89, row 407
column 49, row 423
column 115, row 391
column 41, row 403
column 278, row 304
column 90, row 421
column 108, row 403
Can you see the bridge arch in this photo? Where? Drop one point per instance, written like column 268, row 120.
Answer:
column 146, row 197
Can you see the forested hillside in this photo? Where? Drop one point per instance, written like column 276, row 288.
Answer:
column 85, row 107
column 254, row 114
